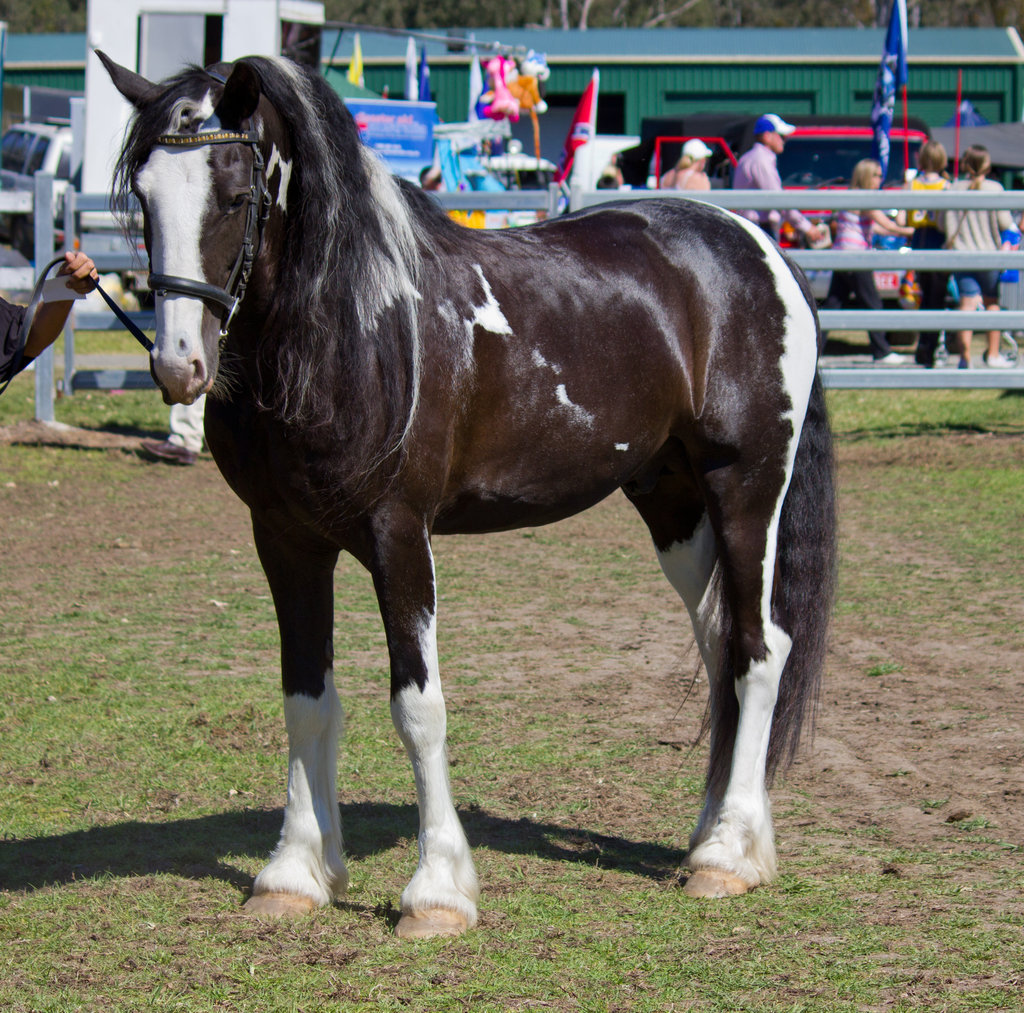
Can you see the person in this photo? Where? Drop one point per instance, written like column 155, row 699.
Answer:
column 50, row 317
column 978, row 230
column 757, row 169
column 184, row 442
column 929, row 235
column 689, row 173
column 431, row 178
column 854, row 230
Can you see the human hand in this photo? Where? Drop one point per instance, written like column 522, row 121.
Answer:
column 80, row 271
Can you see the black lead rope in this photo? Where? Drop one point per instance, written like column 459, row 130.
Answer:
column 33, row 305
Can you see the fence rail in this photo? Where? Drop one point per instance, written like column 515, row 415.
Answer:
column 115, row 254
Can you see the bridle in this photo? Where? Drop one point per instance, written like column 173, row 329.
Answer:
column 257, row 212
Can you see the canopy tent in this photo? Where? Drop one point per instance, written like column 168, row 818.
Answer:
column 1004, row 141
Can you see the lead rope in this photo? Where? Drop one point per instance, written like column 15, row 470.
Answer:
column 33, row 305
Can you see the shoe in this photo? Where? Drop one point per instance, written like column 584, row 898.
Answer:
column 169, row 453
column 964, row 363
column 892, row 359
column 997, row 361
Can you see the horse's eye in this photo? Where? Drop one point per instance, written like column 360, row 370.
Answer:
column 238, row 201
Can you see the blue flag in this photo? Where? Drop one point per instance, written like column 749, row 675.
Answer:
column 892, row 74
column 424, row 89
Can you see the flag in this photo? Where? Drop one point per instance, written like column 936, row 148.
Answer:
column 892, row 74
column 476, row 87
column 424, row 78
column 355, row 68
column 582, row 129
column 412, row 86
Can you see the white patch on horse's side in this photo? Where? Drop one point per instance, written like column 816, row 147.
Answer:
column 489, row 315
column 541, row 363
column 285, row 168
column 176, row 185
column 308, row 860
column 798, row 364
column 579, row 414
column 445, row 877
column 622, row 446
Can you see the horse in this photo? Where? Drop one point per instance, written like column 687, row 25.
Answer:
column 378, row 375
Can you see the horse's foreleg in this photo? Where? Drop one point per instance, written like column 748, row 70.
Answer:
column 307, row 869
column 441, row 897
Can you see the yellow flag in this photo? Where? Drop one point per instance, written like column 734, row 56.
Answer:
column 355, row 68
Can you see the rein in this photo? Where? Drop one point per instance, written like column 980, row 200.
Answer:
column 33, row 305
column 257, row 212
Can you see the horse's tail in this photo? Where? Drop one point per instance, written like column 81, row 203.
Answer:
column 805, row 578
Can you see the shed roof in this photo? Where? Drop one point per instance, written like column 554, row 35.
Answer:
column 958, row 46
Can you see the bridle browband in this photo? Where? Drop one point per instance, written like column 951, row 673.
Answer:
column 257, row 212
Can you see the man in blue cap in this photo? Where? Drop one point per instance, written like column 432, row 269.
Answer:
column 757, row 170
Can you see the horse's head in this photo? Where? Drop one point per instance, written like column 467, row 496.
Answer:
column 198, row 160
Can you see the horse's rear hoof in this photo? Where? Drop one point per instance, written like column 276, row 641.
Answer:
column 714, row 883
column 278, row 905
column 426, row 924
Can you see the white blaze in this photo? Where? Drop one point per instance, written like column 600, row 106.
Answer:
column 176, row 186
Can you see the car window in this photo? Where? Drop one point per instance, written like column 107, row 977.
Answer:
column 820, row 161
column 64, row 165
column 14, row 149
column 38, row 155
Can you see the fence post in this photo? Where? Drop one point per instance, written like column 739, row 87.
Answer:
column 43, row 214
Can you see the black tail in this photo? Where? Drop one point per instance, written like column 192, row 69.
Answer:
column 802, row 603
column 805, row 578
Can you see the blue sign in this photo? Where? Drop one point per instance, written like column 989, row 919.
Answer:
column 396, row 129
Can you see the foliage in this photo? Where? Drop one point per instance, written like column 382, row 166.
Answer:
column 26, row 16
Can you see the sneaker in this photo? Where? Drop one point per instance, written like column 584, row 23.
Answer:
column 892, row 359
column 964, row 363
column 169, row 453
column 997, row 361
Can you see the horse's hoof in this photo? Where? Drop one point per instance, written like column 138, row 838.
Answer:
column 714, row 883
column 278, row 905
column 426, row 924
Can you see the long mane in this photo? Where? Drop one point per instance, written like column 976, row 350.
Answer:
column 340, row 347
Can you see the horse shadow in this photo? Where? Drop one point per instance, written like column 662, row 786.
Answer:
column 201, row 848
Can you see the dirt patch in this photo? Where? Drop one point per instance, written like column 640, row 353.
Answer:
column 920, row 730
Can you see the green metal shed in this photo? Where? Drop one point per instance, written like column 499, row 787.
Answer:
column 659, row 72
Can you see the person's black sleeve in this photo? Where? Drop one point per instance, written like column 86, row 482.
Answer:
column 11, row 318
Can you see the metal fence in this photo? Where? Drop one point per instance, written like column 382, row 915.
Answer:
column 112, row 253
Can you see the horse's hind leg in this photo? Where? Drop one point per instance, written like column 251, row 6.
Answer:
column 307, row 868
column 715, row 539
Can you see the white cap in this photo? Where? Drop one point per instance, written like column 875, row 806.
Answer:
column 696, row 148
column 770, row 122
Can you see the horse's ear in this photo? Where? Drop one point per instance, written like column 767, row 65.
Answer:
column 241, row 95
column 132, row 86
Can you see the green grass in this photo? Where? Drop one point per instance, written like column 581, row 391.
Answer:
column 142, row 760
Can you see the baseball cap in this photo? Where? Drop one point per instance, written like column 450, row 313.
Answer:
column 696, row 148
column 770, row 123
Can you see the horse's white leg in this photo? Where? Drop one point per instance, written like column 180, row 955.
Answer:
column 442, row 896
column 307, row 868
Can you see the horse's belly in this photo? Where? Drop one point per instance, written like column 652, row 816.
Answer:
column 476, row 511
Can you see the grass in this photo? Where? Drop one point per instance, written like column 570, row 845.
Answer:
column 142, row 759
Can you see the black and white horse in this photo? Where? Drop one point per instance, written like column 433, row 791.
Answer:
column 378, row 375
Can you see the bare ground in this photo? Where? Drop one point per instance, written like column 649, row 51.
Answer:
column 920, row 727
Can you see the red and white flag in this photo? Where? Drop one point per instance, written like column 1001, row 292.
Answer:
column 583, row 128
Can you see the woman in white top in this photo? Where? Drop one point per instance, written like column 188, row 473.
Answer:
column 689, row 173
column 979, row 230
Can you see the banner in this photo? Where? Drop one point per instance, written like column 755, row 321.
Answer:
column 582, row 129
column 892, row 74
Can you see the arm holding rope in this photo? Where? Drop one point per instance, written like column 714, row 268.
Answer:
column 80, row 272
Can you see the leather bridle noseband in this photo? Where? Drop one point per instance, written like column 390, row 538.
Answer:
column 259, row 202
